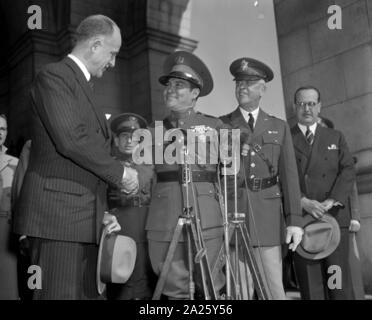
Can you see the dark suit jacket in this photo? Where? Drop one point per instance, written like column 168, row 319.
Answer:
column 326, row 170
column 264, row 215
column 64, row 190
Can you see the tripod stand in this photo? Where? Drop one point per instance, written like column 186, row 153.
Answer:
column 195, row 246
column 236, row 229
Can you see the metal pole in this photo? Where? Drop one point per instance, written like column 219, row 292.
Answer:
column 227, row 239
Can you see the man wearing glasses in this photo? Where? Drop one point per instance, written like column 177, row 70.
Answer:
column 326, row 173
column 267, row 174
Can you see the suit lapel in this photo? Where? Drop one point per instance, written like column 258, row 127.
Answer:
column 238, row 121
column 299, row 142
column 4, row 161
column 89, row 93
column 262, row 123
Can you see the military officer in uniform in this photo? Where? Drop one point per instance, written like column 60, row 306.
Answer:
column 185, row 79
column 268, row 178
column 131, row 210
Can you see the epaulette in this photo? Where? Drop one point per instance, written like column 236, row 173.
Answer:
column 206, row 115
column 276, row 118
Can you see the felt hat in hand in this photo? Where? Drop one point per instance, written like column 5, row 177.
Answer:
column 116, row 259
column 321, row 237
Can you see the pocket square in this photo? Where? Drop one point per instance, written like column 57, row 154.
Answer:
column 332, row 147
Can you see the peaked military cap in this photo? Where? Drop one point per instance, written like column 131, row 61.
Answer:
column 127, row 122
column 250, row 69
column 187, row 66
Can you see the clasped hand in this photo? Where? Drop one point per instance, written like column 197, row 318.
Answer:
column 130, row 181
column 294, row 237
column 318, row 209
column 111, row 223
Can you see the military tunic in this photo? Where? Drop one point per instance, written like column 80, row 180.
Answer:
column 265, row 217
column 168, row 202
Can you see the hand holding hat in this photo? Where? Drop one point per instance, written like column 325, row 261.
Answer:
column 354, row 226
column 294, row 237
column 111, row 223
column 116, row 259
column 313, row 207
column 330, row 203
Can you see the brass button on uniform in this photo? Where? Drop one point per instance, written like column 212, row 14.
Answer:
column 253, row 165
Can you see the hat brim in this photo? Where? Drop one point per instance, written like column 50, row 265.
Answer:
column 118, row 119
column 100, row 285
column 125, row 274
column 253, row 63
column 336, row 237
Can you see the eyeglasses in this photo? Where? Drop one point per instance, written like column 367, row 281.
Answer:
column 310, row 104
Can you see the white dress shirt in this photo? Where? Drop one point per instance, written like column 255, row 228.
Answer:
column 246, row 114
column 303, row 128
column 81, row 65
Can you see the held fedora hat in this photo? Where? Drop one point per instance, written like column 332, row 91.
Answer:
column 321, row 237
column 116, row 259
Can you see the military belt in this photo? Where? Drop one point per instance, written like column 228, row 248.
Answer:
column 135, row 201
column 258, row 184
column 197, row 176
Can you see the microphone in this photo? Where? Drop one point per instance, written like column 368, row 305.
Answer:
column 245, row 141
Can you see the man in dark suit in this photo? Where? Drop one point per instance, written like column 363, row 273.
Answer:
column 326, row 173
column 267, row 175
column 63, row 198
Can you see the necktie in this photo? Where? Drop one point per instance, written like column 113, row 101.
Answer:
column 251, row 121
column 309, row 136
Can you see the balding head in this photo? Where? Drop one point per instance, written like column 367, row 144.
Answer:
column 98, row 41
column 93, row 26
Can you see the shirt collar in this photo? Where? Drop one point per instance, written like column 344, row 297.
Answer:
column 246, row 114
column 304, row 128
column 3, row 149
column 81, row 65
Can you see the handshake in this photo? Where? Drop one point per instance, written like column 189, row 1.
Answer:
column 130, row 182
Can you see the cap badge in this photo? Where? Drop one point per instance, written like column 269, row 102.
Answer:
column 244, row 65
column 179, row 60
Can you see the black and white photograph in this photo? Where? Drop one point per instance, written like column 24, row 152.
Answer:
column 202, row 151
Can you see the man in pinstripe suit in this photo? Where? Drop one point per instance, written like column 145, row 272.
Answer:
column 63, row 197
